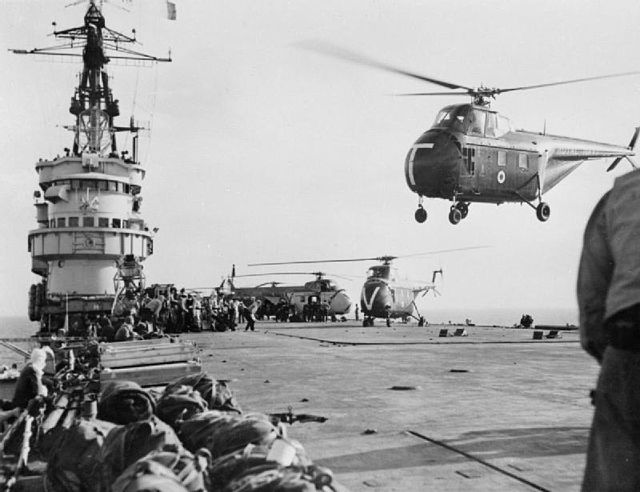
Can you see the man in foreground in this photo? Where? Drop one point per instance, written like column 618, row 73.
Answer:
column 609, row 302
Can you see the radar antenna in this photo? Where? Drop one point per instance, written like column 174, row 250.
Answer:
column 93, row 104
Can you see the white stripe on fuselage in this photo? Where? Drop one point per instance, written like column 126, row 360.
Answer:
column 415, row 148
column 369, row 304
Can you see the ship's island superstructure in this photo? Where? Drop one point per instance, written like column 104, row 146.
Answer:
column 91, row 235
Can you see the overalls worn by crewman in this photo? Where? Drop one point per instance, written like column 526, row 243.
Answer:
column 609, row 301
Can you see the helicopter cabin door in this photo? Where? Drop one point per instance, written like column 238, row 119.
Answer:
column 472, row 152
column 521, row 177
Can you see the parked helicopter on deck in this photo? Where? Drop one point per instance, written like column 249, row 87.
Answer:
column 473, row 153
column 384, row 294
column 322, row 292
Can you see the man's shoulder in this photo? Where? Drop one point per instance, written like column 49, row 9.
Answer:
column 627, row 181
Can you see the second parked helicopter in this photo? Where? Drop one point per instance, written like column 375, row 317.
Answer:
column 299, row 299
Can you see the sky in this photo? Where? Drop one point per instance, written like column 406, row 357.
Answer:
column 260, row 151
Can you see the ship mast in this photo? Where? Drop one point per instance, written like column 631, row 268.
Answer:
column 91, row 234
column 93, row 104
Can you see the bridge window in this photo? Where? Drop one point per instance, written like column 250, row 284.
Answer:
column 523, row 162
column 115, row 223
column 87, row 221
column 103, row 221
column 74, row 221
column 476, row 121
column 62, row 222
column 502, row 158
column 113, row 186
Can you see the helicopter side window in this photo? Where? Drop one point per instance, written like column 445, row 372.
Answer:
column 523, row 161
column 476, row 122
column 502, row 158
column 491, row 127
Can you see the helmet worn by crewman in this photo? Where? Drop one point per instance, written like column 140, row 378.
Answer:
column 123, row 402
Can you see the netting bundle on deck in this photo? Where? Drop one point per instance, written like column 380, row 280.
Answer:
column 283, row 465
column 223, row 433
column 178, row 404
column 217, row 394
column 172, row 468
column 125, row 445
column 73, row 456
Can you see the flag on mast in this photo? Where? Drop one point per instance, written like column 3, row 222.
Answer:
column 171, row 10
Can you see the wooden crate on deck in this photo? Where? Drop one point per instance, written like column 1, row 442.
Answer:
column 148, row 362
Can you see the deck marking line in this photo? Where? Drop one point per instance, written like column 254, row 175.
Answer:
column 418, row 342
column 478, row 460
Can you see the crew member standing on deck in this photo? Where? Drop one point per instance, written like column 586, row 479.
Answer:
column 609, row 301
column 30, row 382
column 250, row 314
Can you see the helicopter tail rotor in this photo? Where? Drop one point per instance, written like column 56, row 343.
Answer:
column 632, row 145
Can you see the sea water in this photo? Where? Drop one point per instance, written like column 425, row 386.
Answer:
column 16, row 327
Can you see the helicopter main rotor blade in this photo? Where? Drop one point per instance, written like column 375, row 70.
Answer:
column 305, row 262
column 428, row 253
column 276, row 273
column 468, row 93
column 574, row 81
column 350, row 56
column 372, row 258
column 317, row 274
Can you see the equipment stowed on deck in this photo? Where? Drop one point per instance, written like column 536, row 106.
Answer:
column 148, row 362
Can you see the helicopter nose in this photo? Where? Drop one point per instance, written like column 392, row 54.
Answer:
column 432, row 165
column 341, row 303
column 376, row 299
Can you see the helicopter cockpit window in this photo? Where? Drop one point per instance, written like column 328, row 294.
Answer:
column 326, row 286
column 504, row 126
column 379, row 272
column 451, row 117
column 490, row 128
column 475, row 122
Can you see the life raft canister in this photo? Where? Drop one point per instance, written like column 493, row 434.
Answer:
column 32, row 303
column 39, row 301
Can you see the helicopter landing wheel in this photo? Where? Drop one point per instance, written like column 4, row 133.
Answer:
column 420, row 215
column 464, row 209
column 388, row 323
column 455, row 215
column 421, row 321
column 543, row 211
column 367, row 322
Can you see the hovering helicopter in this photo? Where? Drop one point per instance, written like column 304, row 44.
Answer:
column 473, row 153
column 383, row 294
column 321, row 291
